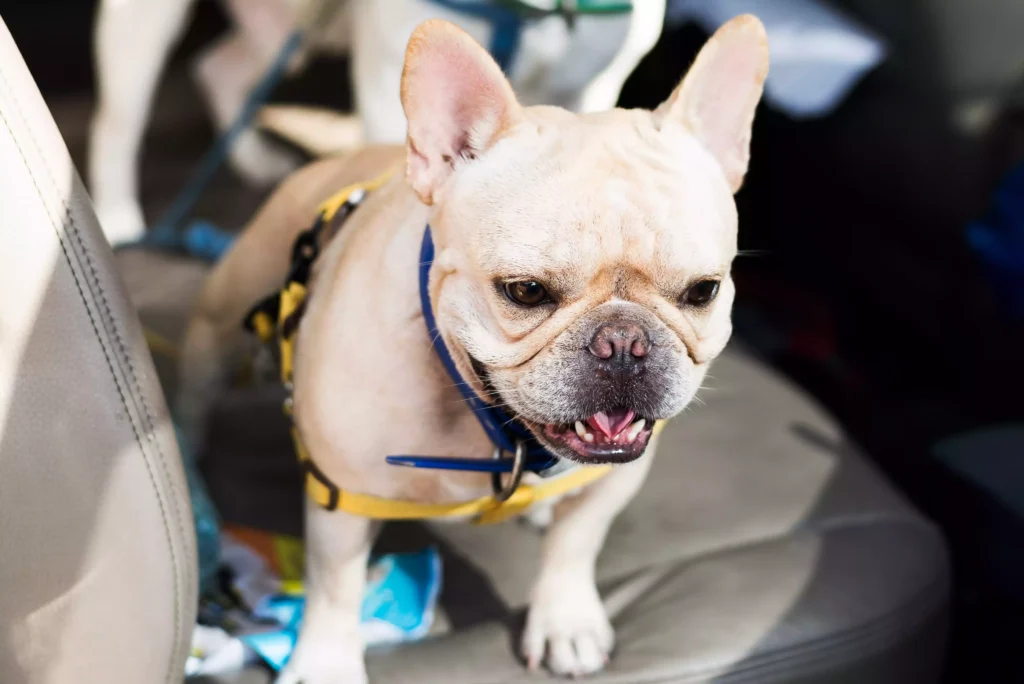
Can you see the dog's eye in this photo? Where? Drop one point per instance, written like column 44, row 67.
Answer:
column 526, row 292
column 701, row 293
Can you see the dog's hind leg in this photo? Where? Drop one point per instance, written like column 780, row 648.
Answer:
column 330, row 648
column 131, row 43
column 227, row 71
column 645, row 27
column 566, row 619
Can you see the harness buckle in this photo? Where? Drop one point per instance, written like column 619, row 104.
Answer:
column 502, row 491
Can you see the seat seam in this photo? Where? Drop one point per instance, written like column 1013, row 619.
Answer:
column 149, row 422
column 111, row 323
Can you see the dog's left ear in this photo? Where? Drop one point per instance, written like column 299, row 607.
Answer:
column 717, row 98
column 456, row 100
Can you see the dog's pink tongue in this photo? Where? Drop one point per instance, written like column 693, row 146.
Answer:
column 612, row 424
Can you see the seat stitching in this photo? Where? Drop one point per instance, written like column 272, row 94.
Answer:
column 150, row 423
column 110, row 362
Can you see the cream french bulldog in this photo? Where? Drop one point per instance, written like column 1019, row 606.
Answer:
column 581, row 280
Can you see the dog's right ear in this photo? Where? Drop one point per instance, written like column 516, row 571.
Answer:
column 717, row 99
column 457, row 103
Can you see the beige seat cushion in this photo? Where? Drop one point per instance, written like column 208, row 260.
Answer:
column 97, row 557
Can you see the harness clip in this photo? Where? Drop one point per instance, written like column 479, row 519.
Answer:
column 502, row 491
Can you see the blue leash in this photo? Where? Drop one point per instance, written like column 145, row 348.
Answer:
column 503, row 431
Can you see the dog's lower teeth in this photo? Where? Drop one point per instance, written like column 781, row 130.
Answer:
column 627, row 436
column 634, row 430
column 581, row 430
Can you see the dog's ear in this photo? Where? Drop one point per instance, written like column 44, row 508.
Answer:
column 457, row 103
column 717, row 98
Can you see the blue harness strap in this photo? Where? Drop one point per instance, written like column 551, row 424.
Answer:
column 503, row 430
column 506, row 18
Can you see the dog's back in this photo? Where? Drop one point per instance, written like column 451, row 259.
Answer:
column 254, row 267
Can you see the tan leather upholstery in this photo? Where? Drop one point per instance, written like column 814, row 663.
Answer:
column 97, row 557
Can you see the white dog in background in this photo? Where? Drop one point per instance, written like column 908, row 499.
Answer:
column 579, row 64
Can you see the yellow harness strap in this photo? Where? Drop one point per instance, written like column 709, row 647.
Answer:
column 320, row 489
column 291, row 297
column 294, row 293
column 487, row 510
column 330, row 206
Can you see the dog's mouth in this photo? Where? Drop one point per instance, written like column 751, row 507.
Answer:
column 617, row 436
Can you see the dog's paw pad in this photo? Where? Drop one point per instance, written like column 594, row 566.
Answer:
column 122, row 223
column 287, row 677
column 569, row 631
column 326, row 667
column 292, row 677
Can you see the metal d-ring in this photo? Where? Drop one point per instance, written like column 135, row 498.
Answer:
column 503, row 491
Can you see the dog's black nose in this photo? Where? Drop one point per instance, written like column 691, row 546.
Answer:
column 620, row 345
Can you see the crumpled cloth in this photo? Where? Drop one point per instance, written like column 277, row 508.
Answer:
column 256, row 611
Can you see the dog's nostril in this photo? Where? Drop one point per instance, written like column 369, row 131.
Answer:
column 601, row 347
column 619, row 341
column 640, row 347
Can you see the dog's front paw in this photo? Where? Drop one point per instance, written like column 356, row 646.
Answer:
column 329, row 665
column 122, row 222
column 568, row 623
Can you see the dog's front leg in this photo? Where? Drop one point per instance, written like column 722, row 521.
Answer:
column 330, row 649
column 566, row 619
column 131, row 43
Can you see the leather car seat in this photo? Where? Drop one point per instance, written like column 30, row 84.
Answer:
column 97, row 550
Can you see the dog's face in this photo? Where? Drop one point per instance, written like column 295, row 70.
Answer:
column 582, row 277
